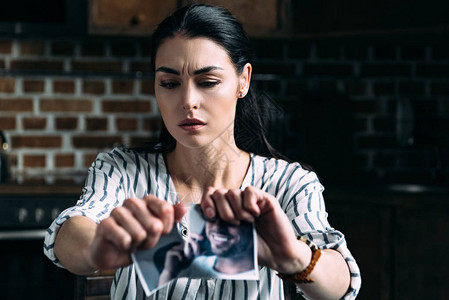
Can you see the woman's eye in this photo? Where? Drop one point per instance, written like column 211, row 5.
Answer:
column 169, row 84
column 208, row 84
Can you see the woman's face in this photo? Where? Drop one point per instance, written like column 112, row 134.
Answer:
column 197, row 88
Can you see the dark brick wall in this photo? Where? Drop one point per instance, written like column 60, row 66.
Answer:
column 373, row 109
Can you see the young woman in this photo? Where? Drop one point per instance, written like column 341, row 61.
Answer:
column 212, row 151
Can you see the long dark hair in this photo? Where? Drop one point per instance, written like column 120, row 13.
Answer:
column 220, row 26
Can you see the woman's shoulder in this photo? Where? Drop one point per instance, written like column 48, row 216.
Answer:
column 282, row 169
column 278, row 163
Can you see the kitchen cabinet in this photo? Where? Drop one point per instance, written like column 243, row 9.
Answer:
column 278, row 17
column 373, row 16
column 398, row 238
column 131, row 17
column 140, row 17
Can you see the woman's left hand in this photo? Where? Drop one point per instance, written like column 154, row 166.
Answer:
column 278, row 247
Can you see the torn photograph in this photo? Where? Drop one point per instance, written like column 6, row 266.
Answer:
column 209, row 249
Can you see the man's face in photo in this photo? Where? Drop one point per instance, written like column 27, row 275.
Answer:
column 226, row 239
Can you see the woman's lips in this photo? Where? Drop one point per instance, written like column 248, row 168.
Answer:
column 191, row 124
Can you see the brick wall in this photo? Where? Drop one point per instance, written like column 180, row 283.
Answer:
column 62, row 101
column 365, row 107
column 373, row 108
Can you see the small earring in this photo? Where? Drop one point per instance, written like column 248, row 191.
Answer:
column 241, row 95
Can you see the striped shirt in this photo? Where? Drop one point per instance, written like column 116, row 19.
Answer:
column 122, row 173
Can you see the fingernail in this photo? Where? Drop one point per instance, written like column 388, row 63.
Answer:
column 210, row 213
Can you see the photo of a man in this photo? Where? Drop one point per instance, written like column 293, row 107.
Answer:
column 230, row 250
column 210, row 249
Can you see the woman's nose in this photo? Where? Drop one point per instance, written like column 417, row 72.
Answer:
column 190, row 99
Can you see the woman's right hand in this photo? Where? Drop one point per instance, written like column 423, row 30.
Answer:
column 138, row 224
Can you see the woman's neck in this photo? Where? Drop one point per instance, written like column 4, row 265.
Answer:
column 220, row 166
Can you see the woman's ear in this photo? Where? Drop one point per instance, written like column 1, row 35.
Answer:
column 245, row 80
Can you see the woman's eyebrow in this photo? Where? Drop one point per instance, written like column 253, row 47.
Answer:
column 196, row 72
column 167, row 70
column 206, row 69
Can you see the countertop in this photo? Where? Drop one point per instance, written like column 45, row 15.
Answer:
column 40, row 189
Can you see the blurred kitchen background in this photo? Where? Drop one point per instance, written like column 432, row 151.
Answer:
column 360, row 91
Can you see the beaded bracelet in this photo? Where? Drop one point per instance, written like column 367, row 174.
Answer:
column 302, row 277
